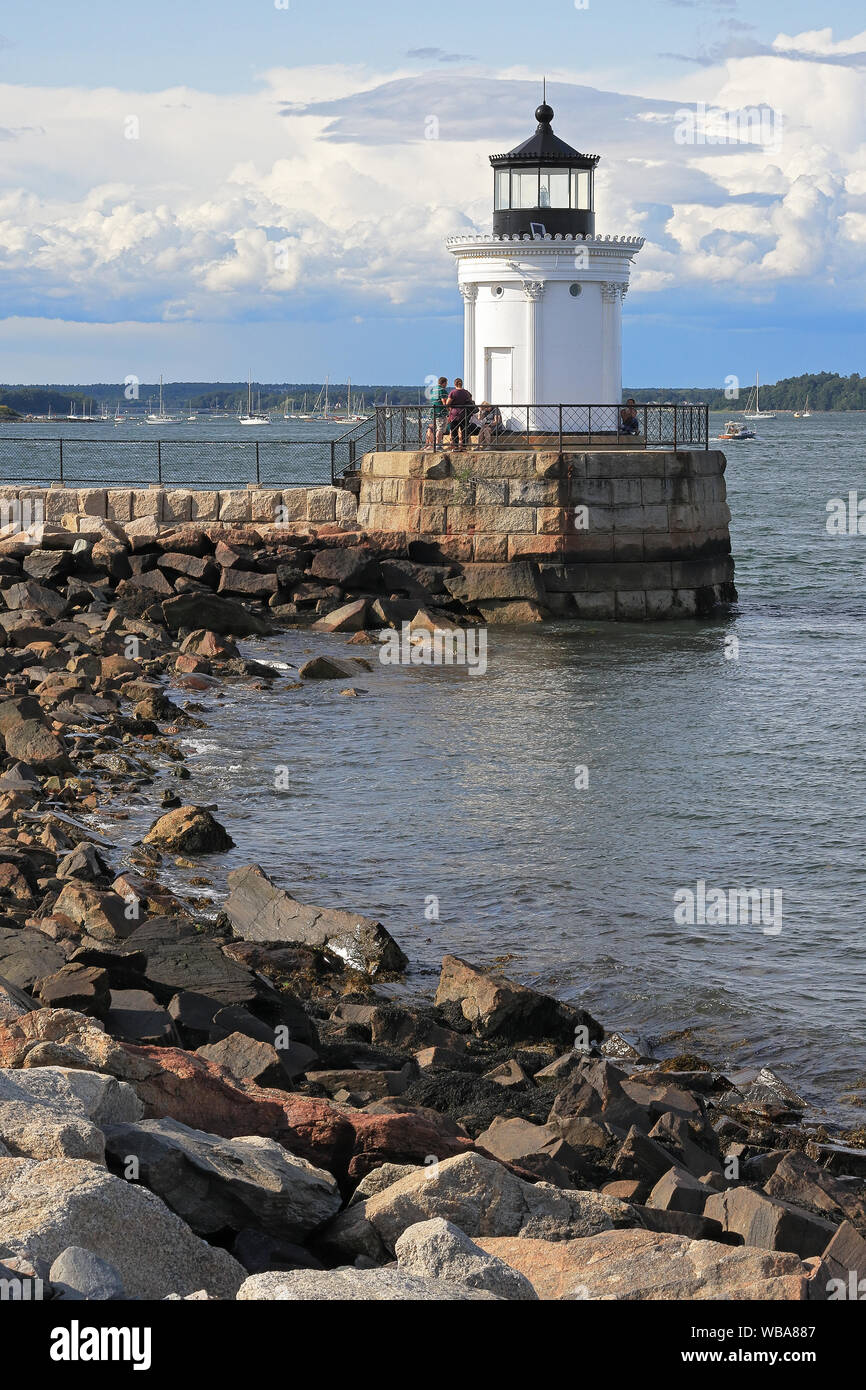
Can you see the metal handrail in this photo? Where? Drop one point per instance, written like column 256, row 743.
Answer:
column 659, row 425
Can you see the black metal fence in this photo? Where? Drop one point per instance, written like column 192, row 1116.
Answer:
column 198, row 463
column 555, row 427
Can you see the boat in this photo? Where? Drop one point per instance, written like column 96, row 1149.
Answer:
column 161, row 418
column 755, row 398
column 805, row 413
column 349, row 415
column 253, row 417
column 735, row 431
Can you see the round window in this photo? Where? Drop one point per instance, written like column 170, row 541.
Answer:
column 498, row 291
column 575, row 290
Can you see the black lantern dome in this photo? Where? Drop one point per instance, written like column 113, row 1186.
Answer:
column 544, row 182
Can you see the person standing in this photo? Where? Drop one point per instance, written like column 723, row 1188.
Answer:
column 438, row 415
column 458, row 404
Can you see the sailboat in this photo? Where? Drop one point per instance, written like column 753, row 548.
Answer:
column 805, row 413
column 161, row 418
column 304, row 413
column 349, row 415
column 757, row 413
column 253, row 417
column 119, row 416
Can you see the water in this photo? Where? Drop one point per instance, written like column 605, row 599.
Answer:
column 745, row 773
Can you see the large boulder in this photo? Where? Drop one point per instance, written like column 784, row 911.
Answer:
column 189, row 830
column 61, row 1038
column 182, row 1086
column 497, row 1007
column 259, row 911
column 649, row 1266
column 356, row 1286
column 212, row 611
column 31, row 742
column 771, row 1224
column 217, row 1184
column 482, row 1198
column 438, row 1249
column 47, row 1207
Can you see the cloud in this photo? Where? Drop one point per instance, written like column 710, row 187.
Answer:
column 320, row 196
column 438, row 55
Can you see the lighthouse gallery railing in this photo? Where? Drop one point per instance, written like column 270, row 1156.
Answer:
column 555, row 427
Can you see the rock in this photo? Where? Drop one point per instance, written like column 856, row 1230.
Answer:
column 642, row 1158
column 678, row 1190
column 13, row 1002
column 768, row 1223
column 259, row 911
column 247, row 583
column 189, row 830
column 321, row 668
column 509, row 1073
column 203, row 642
column 799, row 1179
column 180, row 1085
column 843, row 1265
column 27, row 956
column 438, row 1249
column 47, row 1207
column 596, row 1090
column 218, row 614
column 648, row 1266
column 35, row 598
column 763, row 1093
column 217, row 1184
column 497, row 1007
column 350, row 567
column 101, row 914
column 483, row 1198
column 380, row 1178
column 248, row 1059
column 79, row 1274
column 350, row 617
column 59, row 1037
column 627, row 1047
column 535, row 1149
column 134, row 1016
column 56, row 1113
column 32, row 743
column 84, row 862
column 48, row 566
column 84, row 988
column 356, row 1285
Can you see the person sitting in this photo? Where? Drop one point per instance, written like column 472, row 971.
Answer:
column 629, row 419
column 488, row 420
column 458, row 413
column 438, row 415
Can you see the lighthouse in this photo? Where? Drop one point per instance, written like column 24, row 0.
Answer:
column 543, row 293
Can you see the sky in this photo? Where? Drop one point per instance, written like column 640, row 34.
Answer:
column 207, row 189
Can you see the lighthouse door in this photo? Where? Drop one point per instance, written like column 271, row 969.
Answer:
column 498, row 378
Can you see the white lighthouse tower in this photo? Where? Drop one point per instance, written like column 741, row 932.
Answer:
column 543, row 294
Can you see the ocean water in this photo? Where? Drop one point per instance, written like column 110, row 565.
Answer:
column 445, row 804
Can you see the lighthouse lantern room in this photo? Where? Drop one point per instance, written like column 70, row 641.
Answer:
column 543, row 294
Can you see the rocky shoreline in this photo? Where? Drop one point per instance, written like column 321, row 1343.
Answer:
column 241, row 1090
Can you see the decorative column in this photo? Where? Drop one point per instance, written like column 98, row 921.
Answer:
column 610, row 342
column 533, row 290
column 470, row 294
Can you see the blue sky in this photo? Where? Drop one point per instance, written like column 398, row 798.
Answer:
column 207, row 188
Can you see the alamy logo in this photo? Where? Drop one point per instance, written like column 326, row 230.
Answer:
column 734, row 907
column 77, row 1343
column 443, row 646
column 847, row 517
